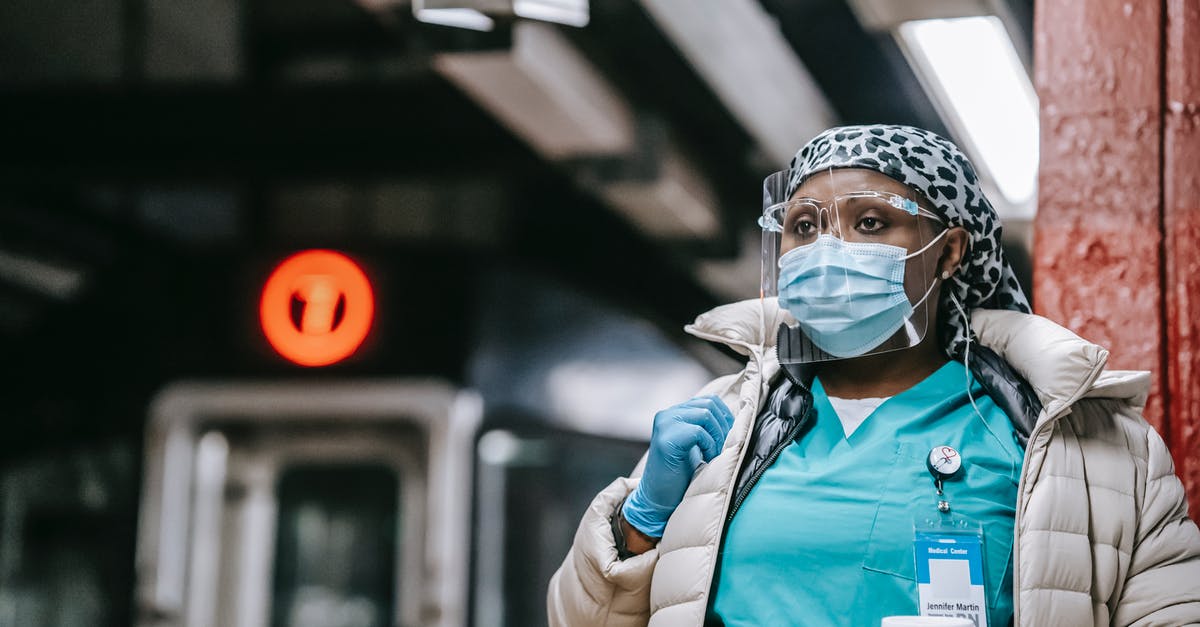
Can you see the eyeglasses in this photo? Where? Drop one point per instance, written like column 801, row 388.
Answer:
column 865, row 216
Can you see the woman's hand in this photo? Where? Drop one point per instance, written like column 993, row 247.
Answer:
column 684, row 436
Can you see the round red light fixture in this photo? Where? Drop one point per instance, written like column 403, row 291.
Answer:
column 316, row 308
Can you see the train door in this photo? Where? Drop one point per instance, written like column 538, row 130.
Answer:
column 306, row 505
column 533, row 484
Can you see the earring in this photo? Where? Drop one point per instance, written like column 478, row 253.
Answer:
column 945, row 274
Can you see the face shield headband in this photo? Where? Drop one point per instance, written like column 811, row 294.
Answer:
column 944, row 178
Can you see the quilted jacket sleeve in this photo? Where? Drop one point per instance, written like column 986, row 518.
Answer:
column 593, row 588
column 1163, row 584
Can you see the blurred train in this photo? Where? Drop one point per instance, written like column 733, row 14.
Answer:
column 354, row 500
column 355, row 504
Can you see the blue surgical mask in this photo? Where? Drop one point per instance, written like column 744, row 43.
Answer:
column 848, row 297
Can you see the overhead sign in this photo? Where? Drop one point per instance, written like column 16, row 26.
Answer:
column 317, row 308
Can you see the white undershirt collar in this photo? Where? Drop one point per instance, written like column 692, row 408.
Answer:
column 852, row 412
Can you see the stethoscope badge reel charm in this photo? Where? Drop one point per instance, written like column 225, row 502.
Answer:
column 944, row 463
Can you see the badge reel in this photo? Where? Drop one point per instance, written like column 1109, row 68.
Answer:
column 949, row 550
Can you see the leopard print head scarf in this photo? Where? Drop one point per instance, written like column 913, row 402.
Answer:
column 936, row 168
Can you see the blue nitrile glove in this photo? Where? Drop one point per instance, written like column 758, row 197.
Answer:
column 684, row 436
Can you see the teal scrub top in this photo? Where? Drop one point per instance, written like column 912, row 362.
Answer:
column 826, row 535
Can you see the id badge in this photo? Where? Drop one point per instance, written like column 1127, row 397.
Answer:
column 950, row 569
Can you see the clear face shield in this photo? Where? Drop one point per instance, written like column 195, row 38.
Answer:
column 854, row 266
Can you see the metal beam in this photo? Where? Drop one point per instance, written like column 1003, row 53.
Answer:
column 551, row 96
column 737, row 48
column 547, row 93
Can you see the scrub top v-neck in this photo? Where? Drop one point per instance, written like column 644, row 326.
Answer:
column 826, row 535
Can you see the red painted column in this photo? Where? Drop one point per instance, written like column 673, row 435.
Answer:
column 1181, row 228
column 1117, row 244
column 1098, row 242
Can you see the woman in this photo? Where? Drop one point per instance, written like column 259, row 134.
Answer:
column 898, row 399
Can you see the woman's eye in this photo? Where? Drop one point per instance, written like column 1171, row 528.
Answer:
column 804, row 226
column 870, row 225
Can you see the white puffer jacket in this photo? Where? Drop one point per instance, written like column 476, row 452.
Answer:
column 1103, row 535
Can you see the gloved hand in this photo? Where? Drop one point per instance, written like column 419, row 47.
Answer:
column 684, row 435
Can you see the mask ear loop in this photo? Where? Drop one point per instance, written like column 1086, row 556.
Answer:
column 966, row 351
column 926, row 246
column 908, row 325
column 967, row 371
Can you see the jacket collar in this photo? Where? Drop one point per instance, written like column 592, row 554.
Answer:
column 1059, row 365
column 747, row 326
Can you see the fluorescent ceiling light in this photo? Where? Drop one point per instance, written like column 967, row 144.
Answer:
column 738, row 50
column 549, row 94
column 883, row 16
column 43, row 277
column 677, row 203
column 458, row 18
column 478, row 14
column 568, row 12
column 546, row 91
column 972, row 70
